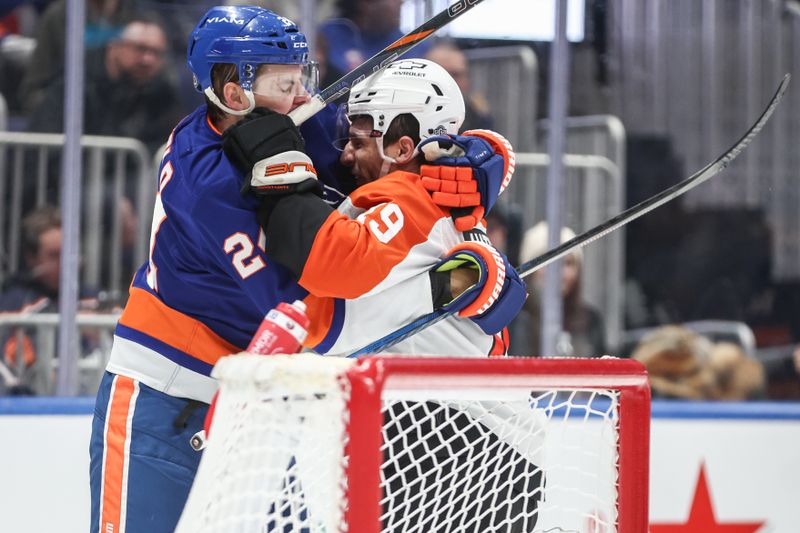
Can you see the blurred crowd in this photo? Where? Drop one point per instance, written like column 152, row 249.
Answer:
column 136, row 86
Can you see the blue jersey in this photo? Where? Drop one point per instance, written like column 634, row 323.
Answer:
column 207, row 283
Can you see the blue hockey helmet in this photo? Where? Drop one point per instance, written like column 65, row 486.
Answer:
column 246, row 36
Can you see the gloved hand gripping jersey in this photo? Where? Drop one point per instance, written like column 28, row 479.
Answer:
column 470, row 171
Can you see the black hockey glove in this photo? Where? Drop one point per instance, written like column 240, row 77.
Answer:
column 268, row 149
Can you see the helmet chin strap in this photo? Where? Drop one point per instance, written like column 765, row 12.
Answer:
column 209, row 92
column 387, row 161
column 384, row 168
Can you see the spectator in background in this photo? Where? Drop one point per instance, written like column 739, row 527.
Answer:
column 504, row 229
column 16, row 48
column 35, row 290
column 497, row 229
column 676, row 360
column 291, row 9
column 739, row 376
column 126, row 91
column 583, row 329
column 38, row 283
column 682, row 364
column 104, row 20
column 365, row 27
column 455, row 62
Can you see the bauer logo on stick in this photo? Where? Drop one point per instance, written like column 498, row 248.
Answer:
column 460, row 6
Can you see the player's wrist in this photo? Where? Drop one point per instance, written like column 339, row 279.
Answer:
column 461, row 279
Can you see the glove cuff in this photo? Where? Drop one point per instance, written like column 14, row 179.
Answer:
column 493, row 281
column 281, row 170
column 492, row 274
column 501, row 147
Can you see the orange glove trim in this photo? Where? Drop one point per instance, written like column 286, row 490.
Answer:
column 495, row 277
column 467, row 222
column 502, row 147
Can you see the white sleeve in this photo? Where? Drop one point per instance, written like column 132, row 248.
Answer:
column 371, row 317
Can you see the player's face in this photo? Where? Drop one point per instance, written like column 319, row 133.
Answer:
column 139, row 54
column 281, row 88
column 45, row 264
column 570, row 270
column 569, row 273
column 361, row 154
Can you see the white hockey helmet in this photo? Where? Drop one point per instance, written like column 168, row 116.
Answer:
column 416, row 86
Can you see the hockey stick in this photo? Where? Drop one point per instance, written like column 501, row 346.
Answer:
column 381, row 60
column 602, row 229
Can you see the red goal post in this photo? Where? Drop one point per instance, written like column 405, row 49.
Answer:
column 410, row 444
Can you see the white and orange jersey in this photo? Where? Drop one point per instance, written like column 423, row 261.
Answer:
column 368, row 265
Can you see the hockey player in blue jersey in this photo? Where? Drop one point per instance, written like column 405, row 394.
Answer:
column 207, row 282
column 206, row 285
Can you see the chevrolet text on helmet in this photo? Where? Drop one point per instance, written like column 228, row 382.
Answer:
column 246, row 36
column 416, row 86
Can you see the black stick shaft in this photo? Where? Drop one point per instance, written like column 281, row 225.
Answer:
column 661, row 198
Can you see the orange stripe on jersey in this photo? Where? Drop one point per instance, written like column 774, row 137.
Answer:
column 500, row 344
column 151, row 316
column 212, row 126
column 350, row 257
column 320, row 314
column 116, row 454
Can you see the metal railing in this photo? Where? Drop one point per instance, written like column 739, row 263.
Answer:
column 603, row 136
column 597, row 182
column 38, row 334
column 697, row 72
column 118, row 178
column 507, row 77
column 3, row 113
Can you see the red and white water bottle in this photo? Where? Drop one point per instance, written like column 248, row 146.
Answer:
column 283, row 330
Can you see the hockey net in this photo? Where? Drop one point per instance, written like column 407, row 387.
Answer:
column 421, row 445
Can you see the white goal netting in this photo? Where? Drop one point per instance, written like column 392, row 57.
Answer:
column 399, row 445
